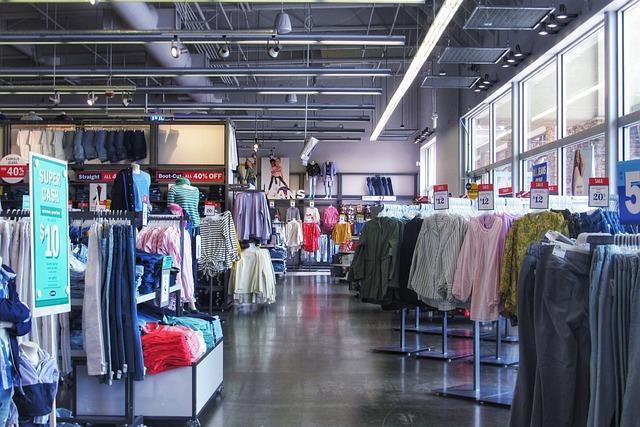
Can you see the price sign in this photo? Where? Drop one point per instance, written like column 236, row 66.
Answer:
column 440, row 197
column 193, row 176
column 13, row 169
column 539, row 197
column 505, row 192
column 210, row 208
column 145, row 211
column 629, row 191
column 165, row 281
column 599, row 192
column 472, row 190
column 485, row 197
column 49, row 193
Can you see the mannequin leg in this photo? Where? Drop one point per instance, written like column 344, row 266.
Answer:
column 327, row 188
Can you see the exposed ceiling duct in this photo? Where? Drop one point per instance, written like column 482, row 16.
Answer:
column 141, row 16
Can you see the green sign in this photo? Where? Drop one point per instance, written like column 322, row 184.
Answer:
column 49, row 193
column 167, row 262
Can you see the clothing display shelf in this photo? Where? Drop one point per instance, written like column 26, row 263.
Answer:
column 499, row 395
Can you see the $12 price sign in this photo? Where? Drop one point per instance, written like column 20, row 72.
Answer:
column 599, row 192
column 440, row 197
column 539, row 195
column 485, row 197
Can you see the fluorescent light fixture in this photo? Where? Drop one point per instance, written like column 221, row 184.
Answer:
column 287, row 92
column 440, row 23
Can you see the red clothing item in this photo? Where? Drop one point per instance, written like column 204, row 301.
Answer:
column 310, row 236
column 330, row 217
column 167, row 347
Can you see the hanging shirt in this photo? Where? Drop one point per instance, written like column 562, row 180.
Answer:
column 293, row 213
column 311, row 233
column 329, row 218
column 341, row 233
column 141, row 184
column 293, row 235
column 311, row 215
column 478, row 268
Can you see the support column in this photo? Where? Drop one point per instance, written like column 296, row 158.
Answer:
column 611, row 96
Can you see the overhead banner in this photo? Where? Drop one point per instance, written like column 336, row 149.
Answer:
column 49, row 193
column 193, row 176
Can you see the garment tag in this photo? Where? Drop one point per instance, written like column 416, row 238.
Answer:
column 559, row 252
column 145, row 211
column 292, row 203
column 198, row 246
column 312, row 204
column 599, row 192
column 165, row 281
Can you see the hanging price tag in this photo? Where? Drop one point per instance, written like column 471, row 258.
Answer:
column 272, row 203
column 485, row 197
column 210, row 208
column 145, row 211
column 440, row 197
column 292, row 203
column 539, row 195
column 165, row 281
column 599, row 192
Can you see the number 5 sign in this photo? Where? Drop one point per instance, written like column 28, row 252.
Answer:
column 629, row 191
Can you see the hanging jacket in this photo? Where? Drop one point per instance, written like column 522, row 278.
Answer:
column 35, row 398
column 122, row 195
column 375, row 262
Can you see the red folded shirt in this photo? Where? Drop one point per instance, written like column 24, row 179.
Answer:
column 167, row 347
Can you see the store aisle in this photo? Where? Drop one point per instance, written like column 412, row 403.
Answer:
column 307, row 361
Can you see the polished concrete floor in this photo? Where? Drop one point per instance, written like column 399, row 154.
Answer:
column 307, row 361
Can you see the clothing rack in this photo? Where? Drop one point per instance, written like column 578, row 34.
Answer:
column 445, row 353
column 402, row 347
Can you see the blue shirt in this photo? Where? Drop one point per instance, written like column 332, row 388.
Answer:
column 141, row 184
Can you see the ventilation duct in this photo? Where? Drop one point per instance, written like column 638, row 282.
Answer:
column 141, row 16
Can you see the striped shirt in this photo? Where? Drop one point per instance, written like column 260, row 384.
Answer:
column 435, row 259
column 188, row 198
column 220, row 248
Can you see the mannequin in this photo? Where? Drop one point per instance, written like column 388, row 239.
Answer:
column 328, row 174
column 141, row 185
column 313, row 171
column 32, row 351
column 130, row 190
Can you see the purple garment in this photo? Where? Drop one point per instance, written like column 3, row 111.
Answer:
column 251, row 215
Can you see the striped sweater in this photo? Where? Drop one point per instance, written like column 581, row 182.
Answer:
column 188, row 198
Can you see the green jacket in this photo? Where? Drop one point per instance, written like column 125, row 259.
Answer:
column 375, row 263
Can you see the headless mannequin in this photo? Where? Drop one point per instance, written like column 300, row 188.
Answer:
column 313, row 178
column 32, row 351
column 135, row 168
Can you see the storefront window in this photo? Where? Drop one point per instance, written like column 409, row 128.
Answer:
column 631, row 58
column 480, row 140
column 632, row 142
column 583, row 81
column 541, row 105
column 582, row 161
column 502, row 128
column 502, row 177
column 546, row 164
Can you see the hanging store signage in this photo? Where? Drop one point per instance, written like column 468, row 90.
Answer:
column 472, row 190
column 193, row 176
column 539, row 195
column 13, row 169
column 553, row 189
column 378, row 198
column 486, row 198
column 165, row 281
column 539, row 172
column 210, row 208
column 629, row 191
column 440, row 197
column 599, row 192
column 505, row 192
column 96, row 176
column 49, row 192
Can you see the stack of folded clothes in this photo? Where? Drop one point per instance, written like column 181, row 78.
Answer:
column 168, row 347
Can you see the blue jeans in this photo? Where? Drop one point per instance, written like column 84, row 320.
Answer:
column 89, row 144
column 100, row 143
column 132, row 338
column 78, row 148
column 121, row 152
column 5, row 404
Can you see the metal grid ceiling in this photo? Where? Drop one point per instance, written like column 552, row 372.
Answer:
column 506, row 18
column 450, row 82
column 472, row 55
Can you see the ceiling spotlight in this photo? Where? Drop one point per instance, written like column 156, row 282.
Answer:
column 481, row 86
column 256, row 146
column 486, row 80
column 477, row 89
column 552, row 22
column 175, row 47
column 291, row 98
column 91, row 99
column 511, row 59
column 224, row 51
column 126, row 99
column 273, row 51
column 93, row 2
column 505, row 64
column 543, row 31
column 518, row 52
column 442, row 72
column 562, row 12
column 55, row 98
column 282, row 24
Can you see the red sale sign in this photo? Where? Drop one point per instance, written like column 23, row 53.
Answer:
column 193, row 176
column 13, row 169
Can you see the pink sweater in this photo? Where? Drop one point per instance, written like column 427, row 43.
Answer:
column 478, row 269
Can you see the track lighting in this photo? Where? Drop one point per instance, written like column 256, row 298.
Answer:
column 291, row 98
column 518, row 52
column 91, row 99
column 93, row 2
column 544, row 30
column 175, row 47
column 426, row 132
column 442, row 72
column 55, row 98
column 562, row 12
column 282, row 25
column 273, row 51
column 126, row 99
column 224, row 51
column 486, row 80
column 481, row 86
column 477, row 89
column 505, row 64
column 511, row 59
column 552, row 22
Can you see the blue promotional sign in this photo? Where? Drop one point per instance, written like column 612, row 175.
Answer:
column 49, row 193
column 628, row 182
column 539, row 172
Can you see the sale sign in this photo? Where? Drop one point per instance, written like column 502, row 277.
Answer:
column 440, row 197
column 193, row 176
column 599, row 192
column 486, row 197
column 539, row 195
column 13, row 169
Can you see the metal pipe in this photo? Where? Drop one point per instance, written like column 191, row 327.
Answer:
column 299, row 130
column 190, row 106
column 195, row 37
column 191, row 72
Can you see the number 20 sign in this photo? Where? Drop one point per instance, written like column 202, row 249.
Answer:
column 628, row 182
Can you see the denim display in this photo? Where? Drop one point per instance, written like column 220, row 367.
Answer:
column 89, row 145
column 110, row 147
column 380, row 186
column 121, row 152
column 152, row 271
column 100, row 143
column 67, row 145
column 78, row 147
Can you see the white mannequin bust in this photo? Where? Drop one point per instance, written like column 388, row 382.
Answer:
column 135, row 168
column 32, row 351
